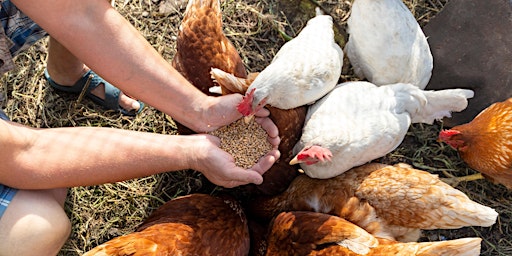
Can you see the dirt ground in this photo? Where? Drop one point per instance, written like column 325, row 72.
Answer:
column 99, row 213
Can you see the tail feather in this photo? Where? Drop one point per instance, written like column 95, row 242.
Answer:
column 441, row 103
column 463, row 211
column 230, row 82
column 460, row 247
column 428, row 106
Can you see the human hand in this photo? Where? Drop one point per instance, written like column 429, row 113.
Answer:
column 221, row 111
column 219, row 167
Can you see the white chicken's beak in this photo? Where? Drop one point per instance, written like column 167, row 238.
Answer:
column 248, row 119
column 300, row 170
column 294, row 161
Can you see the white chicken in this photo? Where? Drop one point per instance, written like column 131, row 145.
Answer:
column 386, row 44
column 305, row 69
column 358, row 122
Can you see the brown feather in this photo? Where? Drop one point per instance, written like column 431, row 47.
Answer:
column 195, row 224
column 201, row 45
column 392, row 202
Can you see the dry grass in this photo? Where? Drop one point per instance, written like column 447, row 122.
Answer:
column 99, row 213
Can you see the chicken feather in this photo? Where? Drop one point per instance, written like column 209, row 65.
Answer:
column 458, row 247
column 392, row 202
column 201, row 44
column 358, row 122
column 485, row 143
column 386, row 44
column 304, row 69
column 309, row 233
column 196, row 224
column 300, row 233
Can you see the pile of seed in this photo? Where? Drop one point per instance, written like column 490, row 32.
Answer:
column 247, row 143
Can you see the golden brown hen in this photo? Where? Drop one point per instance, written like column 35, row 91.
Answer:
column 310, row 233
column 289, row 123
column 404, row 200
column 485, row 143
column 196, row 224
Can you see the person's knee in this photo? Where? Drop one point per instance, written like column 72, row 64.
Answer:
column 33, row 222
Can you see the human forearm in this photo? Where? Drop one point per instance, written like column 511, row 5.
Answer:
column 79, row 156
column 105, row 41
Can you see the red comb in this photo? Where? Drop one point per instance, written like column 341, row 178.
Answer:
column 445, row 134
column 245, row 106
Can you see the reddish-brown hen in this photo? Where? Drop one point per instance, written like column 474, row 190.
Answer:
column 404, row 200
column 289, row 123
column 310, row 233
column 485, row 143
column 196, row 224
column 301, row 233
column 202, row 45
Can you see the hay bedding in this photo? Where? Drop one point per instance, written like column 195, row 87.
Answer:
column 99, row 213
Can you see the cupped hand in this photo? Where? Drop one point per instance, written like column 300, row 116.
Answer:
column 222, row 111
column 219, row 166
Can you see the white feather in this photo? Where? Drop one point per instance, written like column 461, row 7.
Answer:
column 359, row 121
column 386, row 45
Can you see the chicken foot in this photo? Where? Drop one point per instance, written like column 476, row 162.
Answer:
column 454, row 181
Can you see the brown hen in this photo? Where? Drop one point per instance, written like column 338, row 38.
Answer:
column 301, row 233
column 196, row 224
column 201, row 45
column 309, row 233
column 485, row 143
column 289, row 123
column 404, row 200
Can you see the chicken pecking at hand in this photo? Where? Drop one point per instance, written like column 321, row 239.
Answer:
column 196, row 224
column 400, row 199
column 310, row 233
column 386, row 45
column 305, row 69
column 485, row 143
column 358, row 122
column 289, row 123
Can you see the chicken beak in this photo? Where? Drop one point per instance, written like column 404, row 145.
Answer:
column 300, row 170
column 248, row 119
column 294, row 161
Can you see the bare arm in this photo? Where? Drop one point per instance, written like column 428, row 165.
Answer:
column 106, row 42
column 79, row 156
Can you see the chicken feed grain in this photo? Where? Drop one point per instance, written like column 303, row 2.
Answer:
column 247, row 143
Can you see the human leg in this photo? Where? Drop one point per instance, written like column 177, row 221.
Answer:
column 34, row 223
column 65, row 69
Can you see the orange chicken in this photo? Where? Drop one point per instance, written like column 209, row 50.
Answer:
column 196, row 224
column 310, row 233
column 301, row 233
column 289, row 123
column 404, row 201
column 485, row 143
